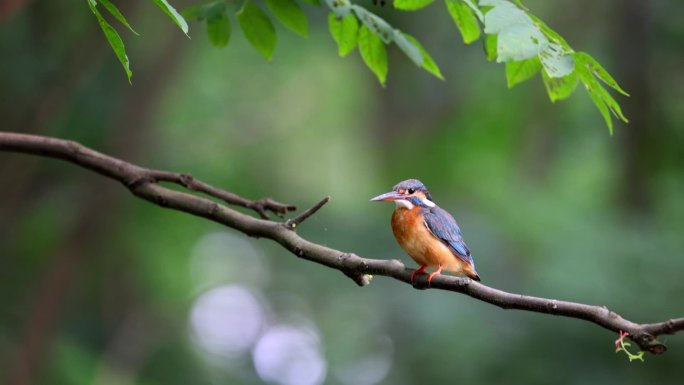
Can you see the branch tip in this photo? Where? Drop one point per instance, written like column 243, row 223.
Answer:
column 294, row 222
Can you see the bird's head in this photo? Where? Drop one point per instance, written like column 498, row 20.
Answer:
column 408, row 194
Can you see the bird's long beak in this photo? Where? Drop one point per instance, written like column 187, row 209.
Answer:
column 390, row 196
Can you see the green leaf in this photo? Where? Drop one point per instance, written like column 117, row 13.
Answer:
column 411, row 5
column 600, row 96
column 290, row 15
column 313, row 2
column 258, row 29
column 345, row 32
column 113, row 38
column 428, row 63
column 490, row 43
column 519, row 71
column 373, row 53
column 116, row 13
column 610, row 101
column 410, row 49
column 556, row 62
column 491, row 3
column 465, row 20
column 603, row 109
column 173, row 14
column 559, row 88
column 519, row 4
column 375, row 23
column 518, row 36
column 503, row 16
column 475, row 9
column 593, row 85
column 584, row 59
column 518, row 42
column 551, row 34
column 218, row 29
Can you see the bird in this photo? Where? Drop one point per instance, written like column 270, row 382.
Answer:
column 426, row 232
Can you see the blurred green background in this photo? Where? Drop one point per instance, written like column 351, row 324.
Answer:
column 101, row 288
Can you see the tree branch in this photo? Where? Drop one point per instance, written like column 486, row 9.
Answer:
column 261, row 206
column 144, row 183
column 296, row 221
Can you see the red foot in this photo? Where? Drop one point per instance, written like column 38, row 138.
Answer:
column 420, row 270
column 436, row 272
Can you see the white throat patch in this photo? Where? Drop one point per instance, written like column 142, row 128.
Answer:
column 404, row 203
column 408, row 205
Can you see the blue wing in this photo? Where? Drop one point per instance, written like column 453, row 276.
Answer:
column 443, row 226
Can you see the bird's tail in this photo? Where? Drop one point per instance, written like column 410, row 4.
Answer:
column 471, row 273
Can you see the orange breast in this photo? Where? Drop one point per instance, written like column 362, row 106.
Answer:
column 420, row 244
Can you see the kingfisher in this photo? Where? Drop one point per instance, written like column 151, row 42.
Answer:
column 428, row 233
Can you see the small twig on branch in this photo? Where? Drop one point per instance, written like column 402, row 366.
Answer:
column 261, row 206
column 294, row 222
column 144, row 183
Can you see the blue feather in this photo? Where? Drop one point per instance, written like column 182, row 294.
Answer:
column 444, row 227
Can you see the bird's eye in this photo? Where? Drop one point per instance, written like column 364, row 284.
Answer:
column 411, row 191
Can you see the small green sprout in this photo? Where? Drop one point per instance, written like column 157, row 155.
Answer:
column 621, row 345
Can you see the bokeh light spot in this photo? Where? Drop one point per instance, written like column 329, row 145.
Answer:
column 288, row 355
column 227, row 320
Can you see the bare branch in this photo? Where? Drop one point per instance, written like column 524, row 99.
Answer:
column 144, row 183
column 294, row 222
column 261, row 206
